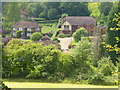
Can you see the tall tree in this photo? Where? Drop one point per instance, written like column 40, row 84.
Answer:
column 111, row 34
column 105, row 7
column 12, row 11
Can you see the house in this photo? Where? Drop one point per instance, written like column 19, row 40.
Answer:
column 71, row 23
column 26, row 28
column 23, row 14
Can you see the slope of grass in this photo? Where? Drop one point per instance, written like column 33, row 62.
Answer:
column 46, row 29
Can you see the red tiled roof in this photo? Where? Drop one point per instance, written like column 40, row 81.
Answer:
column 79, row 20
column 25, row 24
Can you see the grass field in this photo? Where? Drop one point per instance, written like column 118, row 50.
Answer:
column 51, row 85
column 31, row 83
column 46, row 29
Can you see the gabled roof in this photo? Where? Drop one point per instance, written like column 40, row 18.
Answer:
column 45, row 38
column 79, row 20
column 25, row 24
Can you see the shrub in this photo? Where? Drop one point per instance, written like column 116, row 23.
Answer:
column 70, row 46
column 18, row 34
column 106, row 67
column 82, row 32
column 67, row 35
column 36, row 36
column 61, row 35
column 56, row 40
column 97, row 79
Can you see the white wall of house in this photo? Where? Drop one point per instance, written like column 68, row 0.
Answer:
column 14, row 33
column 14, row 29
column 20, row 29
column 28, row 34
column 28, row 29
column 66, row 23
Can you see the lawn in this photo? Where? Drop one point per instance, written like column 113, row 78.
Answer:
column 30, row 83
column 51, row 85
column 46, row 29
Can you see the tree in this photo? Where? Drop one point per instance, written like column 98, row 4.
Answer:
column 82, row 32
column 12, row 11
column 105, row 7
column 52, row 13
column 36, row 36
column 74, row 8
column 112, row 34
column 81, row 53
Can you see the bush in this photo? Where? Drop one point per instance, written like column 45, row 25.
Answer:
column 97, row 79
column 106, row 67
column 18, row 34
column 36, row 36
column 67, row 35
column 61, row 35
column 56, row 40
column 82, row 32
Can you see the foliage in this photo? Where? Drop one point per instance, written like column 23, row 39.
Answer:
column 105, row 7
column 82, row 32
column 106, row 67
column 61, row 35
column 81, row 53
column 36, row 36
column 56, row 39
column 52, row 13
column 18, row 34
column 111, row 33
column 32, row 60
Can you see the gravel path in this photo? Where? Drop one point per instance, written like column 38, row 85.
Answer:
column 64, row 42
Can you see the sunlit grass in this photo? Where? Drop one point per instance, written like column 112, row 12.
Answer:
column 46, row 29
column 51, row 85
column 37, row 83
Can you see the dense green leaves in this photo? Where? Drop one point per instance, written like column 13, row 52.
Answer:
column 82, row 32
column 36, row 36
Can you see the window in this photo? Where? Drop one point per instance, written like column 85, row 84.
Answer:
column 66, row 26
column 28, row 29
column 20, row 29
column 28, row 34
column 14, row 33
column 38, row 29
column 14, row 29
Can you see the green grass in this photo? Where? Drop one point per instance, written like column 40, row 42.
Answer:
column 32, row 83
column 46, row 29
column 51, row 85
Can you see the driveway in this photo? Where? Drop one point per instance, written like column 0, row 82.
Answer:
column 64, row 42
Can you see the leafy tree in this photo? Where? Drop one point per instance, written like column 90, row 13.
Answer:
column 74, row 8
column 105, row 7
column 82, row 32
column 36, row 36
column 81, row 53
column 37, row 10
column 52, row 13
column 11, row 15
column 111, row 34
